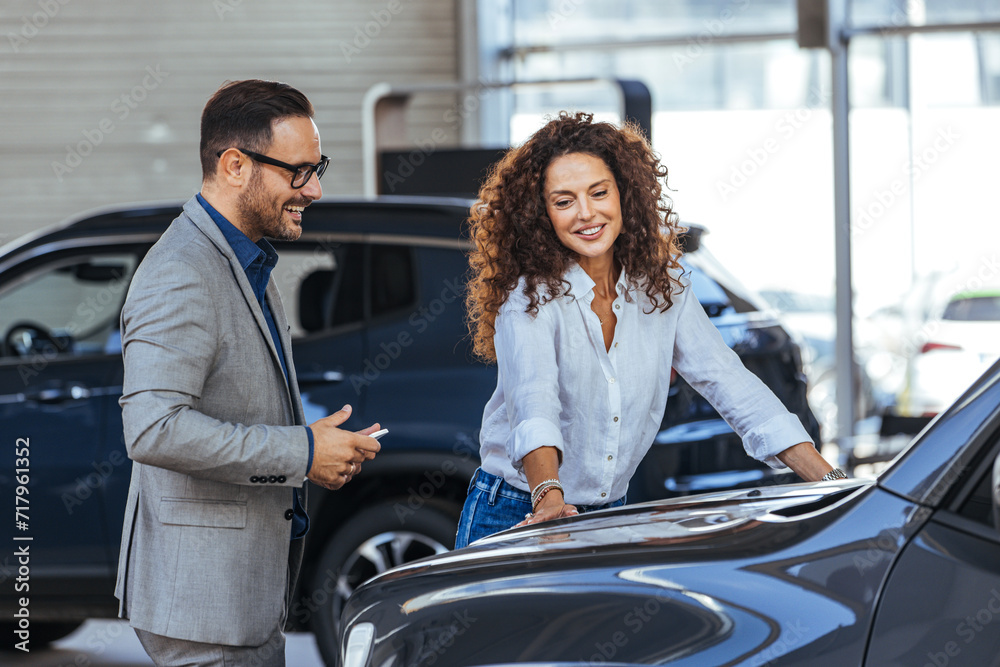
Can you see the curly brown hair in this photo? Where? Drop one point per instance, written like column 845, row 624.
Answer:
column 512, row 235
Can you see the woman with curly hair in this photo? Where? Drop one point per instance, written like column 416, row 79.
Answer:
column 578, row 295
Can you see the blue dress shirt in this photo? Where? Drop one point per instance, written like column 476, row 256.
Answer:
column 258, row 260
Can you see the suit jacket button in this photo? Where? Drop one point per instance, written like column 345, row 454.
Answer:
column 253, row 480
column 289, row 514
column 272, row 479
column 282, row 479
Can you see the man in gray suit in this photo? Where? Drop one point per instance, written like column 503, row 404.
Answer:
column 212, row 545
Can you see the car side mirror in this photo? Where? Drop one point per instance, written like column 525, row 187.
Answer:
column 996, row 492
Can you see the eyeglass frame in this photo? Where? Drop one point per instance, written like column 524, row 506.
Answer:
column 319, row 168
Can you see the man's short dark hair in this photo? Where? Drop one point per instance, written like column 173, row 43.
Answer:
column 240, row 115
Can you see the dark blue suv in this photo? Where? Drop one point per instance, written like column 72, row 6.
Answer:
column 374, row 293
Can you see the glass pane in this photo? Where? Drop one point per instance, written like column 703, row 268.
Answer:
column 973, row 308
column 740, row 76
column 747, row 143
column 988, row 48
column 70, row 306
column 920, row 12
column 304, row 278
column 562, row 21
column 979, row 505
column 392, row 279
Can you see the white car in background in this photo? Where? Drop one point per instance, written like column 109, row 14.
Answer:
column 960, row 345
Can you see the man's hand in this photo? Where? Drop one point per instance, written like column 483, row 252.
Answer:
column 338, row 454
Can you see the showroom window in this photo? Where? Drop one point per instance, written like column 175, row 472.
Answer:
column 741, row 117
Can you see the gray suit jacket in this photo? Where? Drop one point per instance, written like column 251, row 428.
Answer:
column 205, row 553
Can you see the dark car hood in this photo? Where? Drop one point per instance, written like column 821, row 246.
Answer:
column 691, row 523
column 693, row 580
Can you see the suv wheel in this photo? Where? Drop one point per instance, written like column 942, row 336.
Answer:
column 367, row 544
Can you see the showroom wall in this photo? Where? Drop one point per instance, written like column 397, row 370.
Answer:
column 100, row 101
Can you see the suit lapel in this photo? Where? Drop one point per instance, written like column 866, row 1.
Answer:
column 281, row 324
column 207, row 226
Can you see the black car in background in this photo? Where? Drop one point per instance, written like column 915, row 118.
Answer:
column 374, row 294
column 898, row 571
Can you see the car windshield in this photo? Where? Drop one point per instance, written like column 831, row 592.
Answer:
column 714, row 295
column 978, row 307
column 710, row 294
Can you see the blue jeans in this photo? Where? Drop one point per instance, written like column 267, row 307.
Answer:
column 494, row 505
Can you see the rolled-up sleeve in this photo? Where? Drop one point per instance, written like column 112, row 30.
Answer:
column 704, row 360
column 526, row 360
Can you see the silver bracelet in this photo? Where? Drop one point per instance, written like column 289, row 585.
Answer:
column 543, row 487
column 836, row 473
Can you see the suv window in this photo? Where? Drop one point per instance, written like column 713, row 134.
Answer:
column 709, row 279
column 304, row 277
column 710, row 294
column 66, row 307
column 323, row 287
column 392, row 279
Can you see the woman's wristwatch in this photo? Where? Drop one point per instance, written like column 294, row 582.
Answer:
column 836, row 473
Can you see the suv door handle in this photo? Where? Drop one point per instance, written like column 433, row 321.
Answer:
column 331, row 377
column 58, row 394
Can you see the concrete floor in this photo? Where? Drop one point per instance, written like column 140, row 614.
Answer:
column 105, row 643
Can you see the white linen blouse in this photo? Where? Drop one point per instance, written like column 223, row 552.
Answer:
column 558, row 386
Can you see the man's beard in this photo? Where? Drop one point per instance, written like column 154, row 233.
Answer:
column 263, row 216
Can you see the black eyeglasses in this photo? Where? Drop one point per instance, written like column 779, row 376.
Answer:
column 300, row 173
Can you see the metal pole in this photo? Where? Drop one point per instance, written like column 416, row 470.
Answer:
column 840, row 108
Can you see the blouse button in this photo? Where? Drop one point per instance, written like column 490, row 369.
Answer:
column 604, row 495
column 618, row 306
column 611, row 380
column 610, row 457
column 616, row 418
